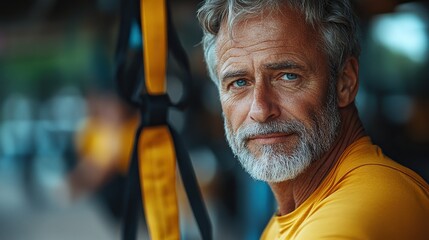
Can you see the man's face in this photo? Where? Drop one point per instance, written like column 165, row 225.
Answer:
column 279, row 107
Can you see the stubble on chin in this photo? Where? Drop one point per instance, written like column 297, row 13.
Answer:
column 284, row 161
column 270, row 162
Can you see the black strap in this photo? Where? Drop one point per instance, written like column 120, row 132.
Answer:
column 176, row 49
column 191, row 187
column 128, row 78
column 153, row 112
column 132, row 197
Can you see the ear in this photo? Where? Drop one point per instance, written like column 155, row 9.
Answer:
column 348, row 82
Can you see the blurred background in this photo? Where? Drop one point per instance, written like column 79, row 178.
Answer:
column 65, row 135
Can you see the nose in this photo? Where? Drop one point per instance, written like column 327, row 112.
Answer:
column 264, row 105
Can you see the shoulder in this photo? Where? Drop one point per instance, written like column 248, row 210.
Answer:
column 372, row 198
column 365, row 166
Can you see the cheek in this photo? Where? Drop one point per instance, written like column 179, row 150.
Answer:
column 302, row 106
column 235, row 112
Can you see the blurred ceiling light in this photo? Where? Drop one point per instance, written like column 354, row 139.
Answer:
column 404, row 33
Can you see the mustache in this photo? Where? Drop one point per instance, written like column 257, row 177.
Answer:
column 280, row 126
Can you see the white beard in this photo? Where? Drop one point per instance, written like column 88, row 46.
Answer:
column 275, row 162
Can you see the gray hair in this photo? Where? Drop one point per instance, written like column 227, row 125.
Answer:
column 334, row 19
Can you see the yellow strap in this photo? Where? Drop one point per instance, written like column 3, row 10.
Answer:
column 158, row 168
column 156, row 150
column 153, row 17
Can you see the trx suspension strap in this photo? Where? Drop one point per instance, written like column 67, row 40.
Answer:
column 152, row 172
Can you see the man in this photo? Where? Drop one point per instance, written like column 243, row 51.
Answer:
column 287, row 74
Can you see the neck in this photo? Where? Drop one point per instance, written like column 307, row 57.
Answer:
column 291, row 194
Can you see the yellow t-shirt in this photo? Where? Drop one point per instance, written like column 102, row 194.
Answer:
column 365, row 196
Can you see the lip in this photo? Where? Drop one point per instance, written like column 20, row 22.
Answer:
column 270, row 138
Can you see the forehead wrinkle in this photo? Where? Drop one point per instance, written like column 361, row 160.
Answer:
column 250, row 49
column 228, row 65
column 229, row 60
column 250, row 46
column 227, row 36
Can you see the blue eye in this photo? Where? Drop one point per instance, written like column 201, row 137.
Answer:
column 289, row 76
column 240, row 83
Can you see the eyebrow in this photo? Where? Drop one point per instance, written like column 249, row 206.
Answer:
column 233, row 74
column 271, row 66
column 283, row 65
